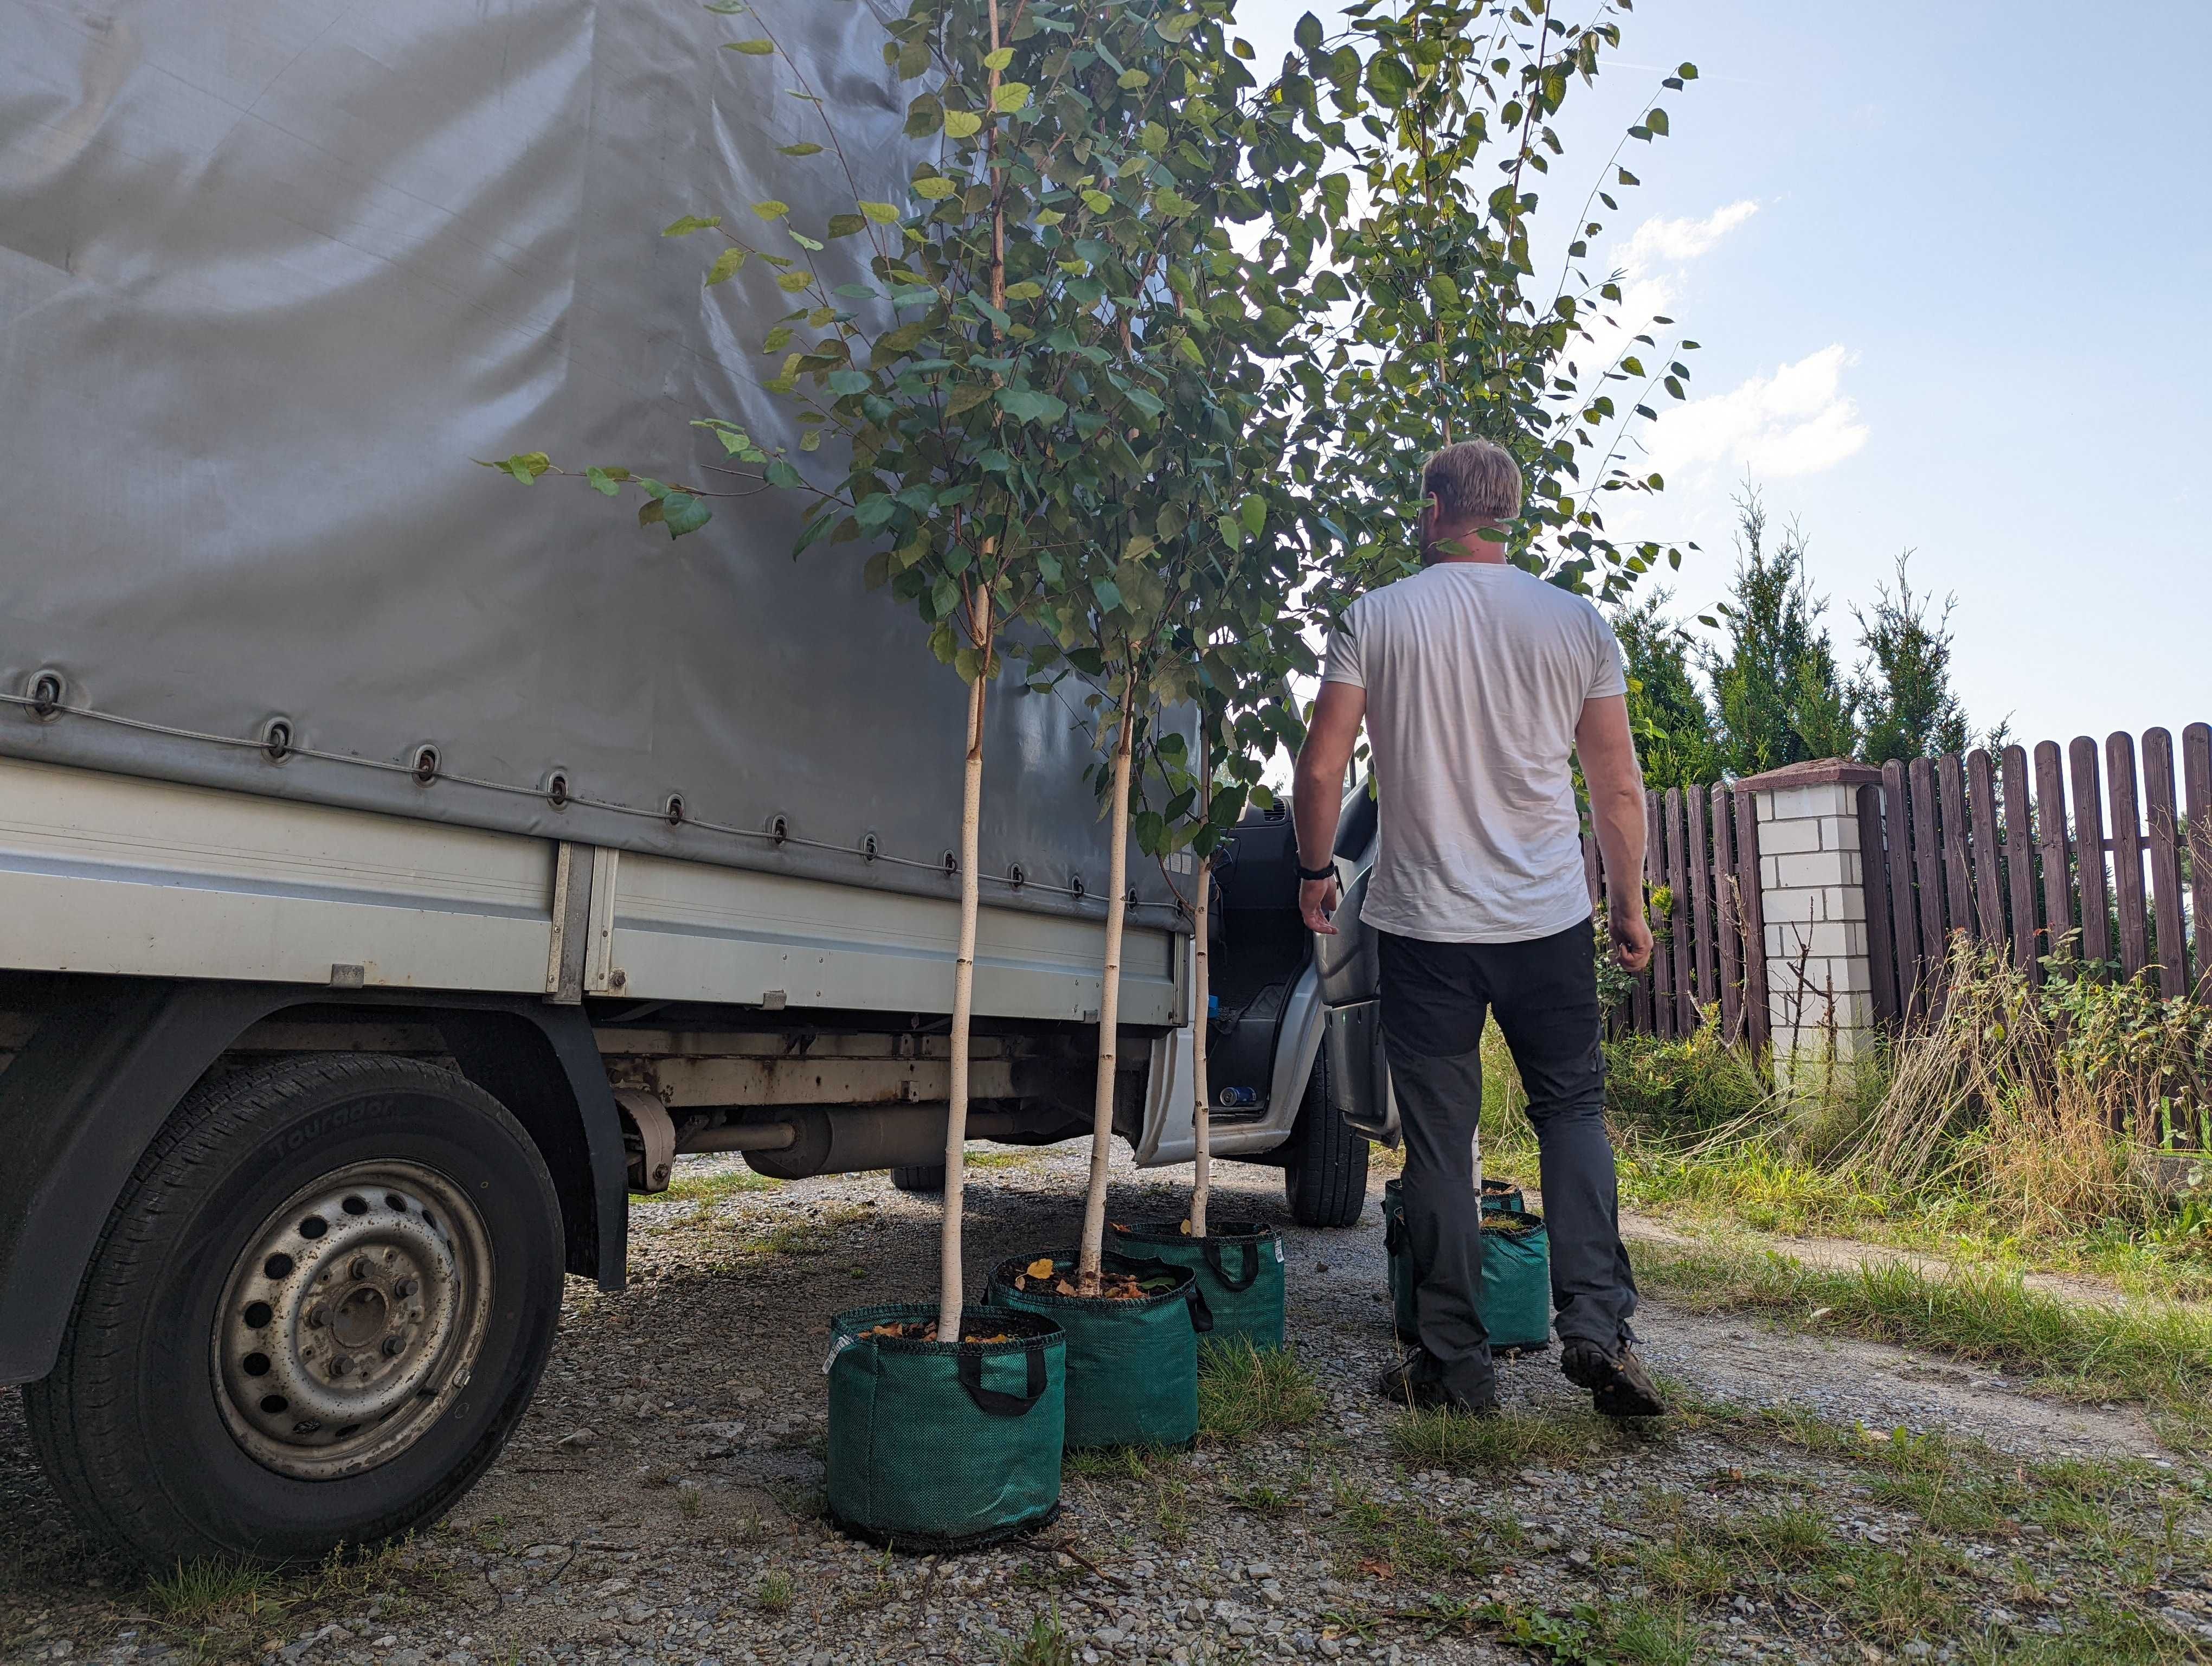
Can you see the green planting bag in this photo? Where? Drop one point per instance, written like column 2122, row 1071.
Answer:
column 1516, row 1280
column 1515, row 1299
column 1498, row 1193
column 1133, row 1364
column 934, row 1447
column 1239, row 1267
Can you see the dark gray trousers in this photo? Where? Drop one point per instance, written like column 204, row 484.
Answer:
column 1436, row 999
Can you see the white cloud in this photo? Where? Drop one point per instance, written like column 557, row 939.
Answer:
column 1677, row 240
column 1650, row 268
column 1797, row 420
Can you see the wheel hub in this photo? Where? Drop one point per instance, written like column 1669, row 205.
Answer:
column 351, row 1318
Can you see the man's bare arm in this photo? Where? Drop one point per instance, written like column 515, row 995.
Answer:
column 1608, row 751
column 1317, row 793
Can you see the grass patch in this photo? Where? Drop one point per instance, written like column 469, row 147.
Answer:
column 1398, row 1539
column 774, row 1592
column 1045, row 1644
column 712, row 1186
column 1988, row 1134
column 1647, row 1636
column 1243, row 1392
column 1452, row 1440
column 205, row 1595
column 1119, row 1463
column 216, row 1604
column 2159, row 1356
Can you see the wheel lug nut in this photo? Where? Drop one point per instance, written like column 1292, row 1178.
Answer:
column 392, row 1347
column 315, row 1318
column 342, row 1365
column 360, row 1268
column 403, row 1289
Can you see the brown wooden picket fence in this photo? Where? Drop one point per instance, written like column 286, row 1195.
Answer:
column 1991, row 846
column 1994, row 848
column 1702, row 851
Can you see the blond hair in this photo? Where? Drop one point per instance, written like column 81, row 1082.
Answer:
column 1473, row 480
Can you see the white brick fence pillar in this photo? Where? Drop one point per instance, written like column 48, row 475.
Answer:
column 1820, row 976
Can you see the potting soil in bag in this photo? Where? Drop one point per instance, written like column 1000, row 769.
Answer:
column 1515, row 1297
column 1500, row 1194
column 934, row 1447
column 1239, row 1265
column 1132, row 1363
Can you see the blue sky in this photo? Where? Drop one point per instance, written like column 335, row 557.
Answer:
column 1951, row 267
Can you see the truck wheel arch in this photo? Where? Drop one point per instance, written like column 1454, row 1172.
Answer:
column 99, row 1076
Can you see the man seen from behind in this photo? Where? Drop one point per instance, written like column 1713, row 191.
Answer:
column 1476, row 682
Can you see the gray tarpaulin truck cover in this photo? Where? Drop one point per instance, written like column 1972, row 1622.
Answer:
column 273, row 272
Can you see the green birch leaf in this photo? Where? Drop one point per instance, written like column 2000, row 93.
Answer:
column 1029, row 405
column 750, row 48
column 727, row 264
column 691, row 223
column 935, row 189
column 525, row 465
column 682, row 513
column 607, row 482
column 963, row 123
column 792, row 282
column 804, row 149
column 882, row 213
column 1010, row 96
column 966, row 397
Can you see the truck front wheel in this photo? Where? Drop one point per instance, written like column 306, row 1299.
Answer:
column 314, row 1316
column 1324, row 1160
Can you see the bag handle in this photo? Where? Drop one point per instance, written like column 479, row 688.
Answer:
column 1393, row 1236
column 1214, row 1259
column 1201, row 1315
column 992, row 1402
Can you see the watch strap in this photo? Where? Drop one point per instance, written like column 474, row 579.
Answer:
column 1313, row 873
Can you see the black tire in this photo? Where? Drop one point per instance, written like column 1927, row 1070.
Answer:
column 1324, row 1161
column 135, row 1426
column 919, row 1177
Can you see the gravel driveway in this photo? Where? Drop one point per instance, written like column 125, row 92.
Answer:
column 1812, row 1500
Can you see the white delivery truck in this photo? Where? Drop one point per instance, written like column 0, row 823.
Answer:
column 398, row 869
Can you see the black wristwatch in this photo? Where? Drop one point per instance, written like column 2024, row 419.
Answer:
column 1313, row 873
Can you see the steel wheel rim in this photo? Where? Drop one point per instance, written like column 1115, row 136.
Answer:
column 351, row 1319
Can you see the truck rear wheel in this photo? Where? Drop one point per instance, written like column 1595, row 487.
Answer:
column 314, row 1316
column 1325, row 1161
column 919, row 1177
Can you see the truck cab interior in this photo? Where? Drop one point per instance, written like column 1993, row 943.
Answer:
column 1259, row 947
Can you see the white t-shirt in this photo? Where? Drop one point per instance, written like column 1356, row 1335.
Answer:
column 1476, row 674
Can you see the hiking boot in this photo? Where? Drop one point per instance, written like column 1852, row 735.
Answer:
column 1619, row 1386
column 1415, row 1382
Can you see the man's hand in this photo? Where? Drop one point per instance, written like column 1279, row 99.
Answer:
column 1318, row 900
column 1631, row 941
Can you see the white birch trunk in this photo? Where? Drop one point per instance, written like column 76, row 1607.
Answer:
column 1109, row 1003
column 1201, row 1181
column 951, row 1275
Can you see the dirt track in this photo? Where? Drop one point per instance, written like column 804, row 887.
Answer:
column 661, row 1502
